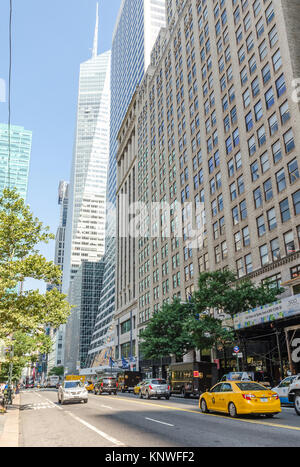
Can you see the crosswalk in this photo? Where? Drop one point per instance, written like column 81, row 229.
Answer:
column 39, row 406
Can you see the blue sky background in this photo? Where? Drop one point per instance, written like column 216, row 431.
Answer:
column 50, row 40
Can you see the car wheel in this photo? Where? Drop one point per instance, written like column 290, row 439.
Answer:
column 297, row 404
column 203, row 406
column 141, row 395
column 59, row 401
column 85, row 401
column 269, row 415
column 62, row 401
column 232, row 410
column 115, row 393
column 148, row 395
column 167, row 398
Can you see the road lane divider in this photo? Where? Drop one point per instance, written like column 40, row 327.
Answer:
column 109, row 438
column 178, row 409
column 158, row 421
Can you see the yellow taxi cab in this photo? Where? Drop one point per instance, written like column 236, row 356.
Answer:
column 89, row 386
column 240, row 398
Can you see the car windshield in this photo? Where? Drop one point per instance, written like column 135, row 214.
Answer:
column 251, row 387
column 73, row 384
column 158, row 381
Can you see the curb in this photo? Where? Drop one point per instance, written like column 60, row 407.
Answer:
column 10, row 435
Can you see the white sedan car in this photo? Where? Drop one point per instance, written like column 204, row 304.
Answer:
column 72, row 391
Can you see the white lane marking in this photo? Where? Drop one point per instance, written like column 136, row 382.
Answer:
column 157, row 421
column 107, row 407
column 100, row 433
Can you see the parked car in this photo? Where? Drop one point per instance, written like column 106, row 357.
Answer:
column 155, row 388
column 72, row 391
column 283, row 388
column 240, row 398
column 294, row 394
column 106, row 384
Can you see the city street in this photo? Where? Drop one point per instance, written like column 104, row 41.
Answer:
column 126, row 421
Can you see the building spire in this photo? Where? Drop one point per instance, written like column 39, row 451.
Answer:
column 95, row 47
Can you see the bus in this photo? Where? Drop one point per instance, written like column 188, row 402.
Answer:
column 192, row 379
column 52, row 381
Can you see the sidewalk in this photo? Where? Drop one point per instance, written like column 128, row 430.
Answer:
column 9, row 425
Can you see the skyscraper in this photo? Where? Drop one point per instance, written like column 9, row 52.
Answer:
column 14, row 167
column 85, row 229
column 136, row 29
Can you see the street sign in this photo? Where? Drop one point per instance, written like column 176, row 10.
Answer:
column 236, row 349
column 238, row 355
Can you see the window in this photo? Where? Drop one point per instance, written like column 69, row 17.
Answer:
column 243, row 209
column 260, row 27
column 268, row 189
column 277, row 153
column 249, row 121
column 269, row 96
column 296, row 202
column 254, row 171
column 275, row 249
column 280, row 180
column 266, row 73
column 284, row 112
column 240, row 268
column 263, row 50
column 238, row 241
column 264, row 255
column 271, row 215
column 285, row 210
column 273, row 124
column 255, row 87
column 280, row 85
column 261, row 135
column 289, row 141
column 264, row 162
column 289, row 243
column 257, row 198
column 273, row 36
column 276, row 59
column 293, row 171
column 252, row 145
column 261, row 228
column 246, row 236
column 258, row 111
column 248, row 263
column 270, row 13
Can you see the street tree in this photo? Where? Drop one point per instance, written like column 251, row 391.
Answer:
column 166, row 334
column 26, row 312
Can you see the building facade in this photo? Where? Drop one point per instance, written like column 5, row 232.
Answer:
column 14, row 164
column 84, row 296
column 85, row 229
column 136, row 29
column 217, row 136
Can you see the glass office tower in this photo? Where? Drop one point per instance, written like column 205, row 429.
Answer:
column 85, row 229
column 137, row 27
column 14, row 170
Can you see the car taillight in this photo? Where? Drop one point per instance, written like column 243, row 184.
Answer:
column 248, row 397
column 150, row 387
column 101, row 384
column 275, row 396
column 168, row 388
column 117, row 384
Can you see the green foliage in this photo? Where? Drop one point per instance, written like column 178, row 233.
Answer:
column 180, row 327
column 165, row 333
column 57, row 371
column 25, row 314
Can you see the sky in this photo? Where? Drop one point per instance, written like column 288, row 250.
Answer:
column 49, row 41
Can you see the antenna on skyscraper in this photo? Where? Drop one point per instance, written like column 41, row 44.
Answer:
column 95, row 47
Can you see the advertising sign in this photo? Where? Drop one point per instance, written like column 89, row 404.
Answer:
column 284, row 308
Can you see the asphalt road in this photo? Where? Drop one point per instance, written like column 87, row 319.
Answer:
column 126, row 421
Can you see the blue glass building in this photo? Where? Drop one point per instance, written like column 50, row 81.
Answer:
column 14, row 168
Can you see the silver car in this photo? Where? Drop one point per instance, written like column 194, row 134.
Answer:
column 72, row 391
column 155, row 387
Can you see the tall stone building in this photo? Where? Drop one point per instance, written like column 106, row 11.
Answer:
column 217, row 168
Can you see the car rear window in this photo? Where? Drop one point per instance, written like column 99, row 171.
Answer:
column 251, row 387
column 109, row 380
column 158, row 381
